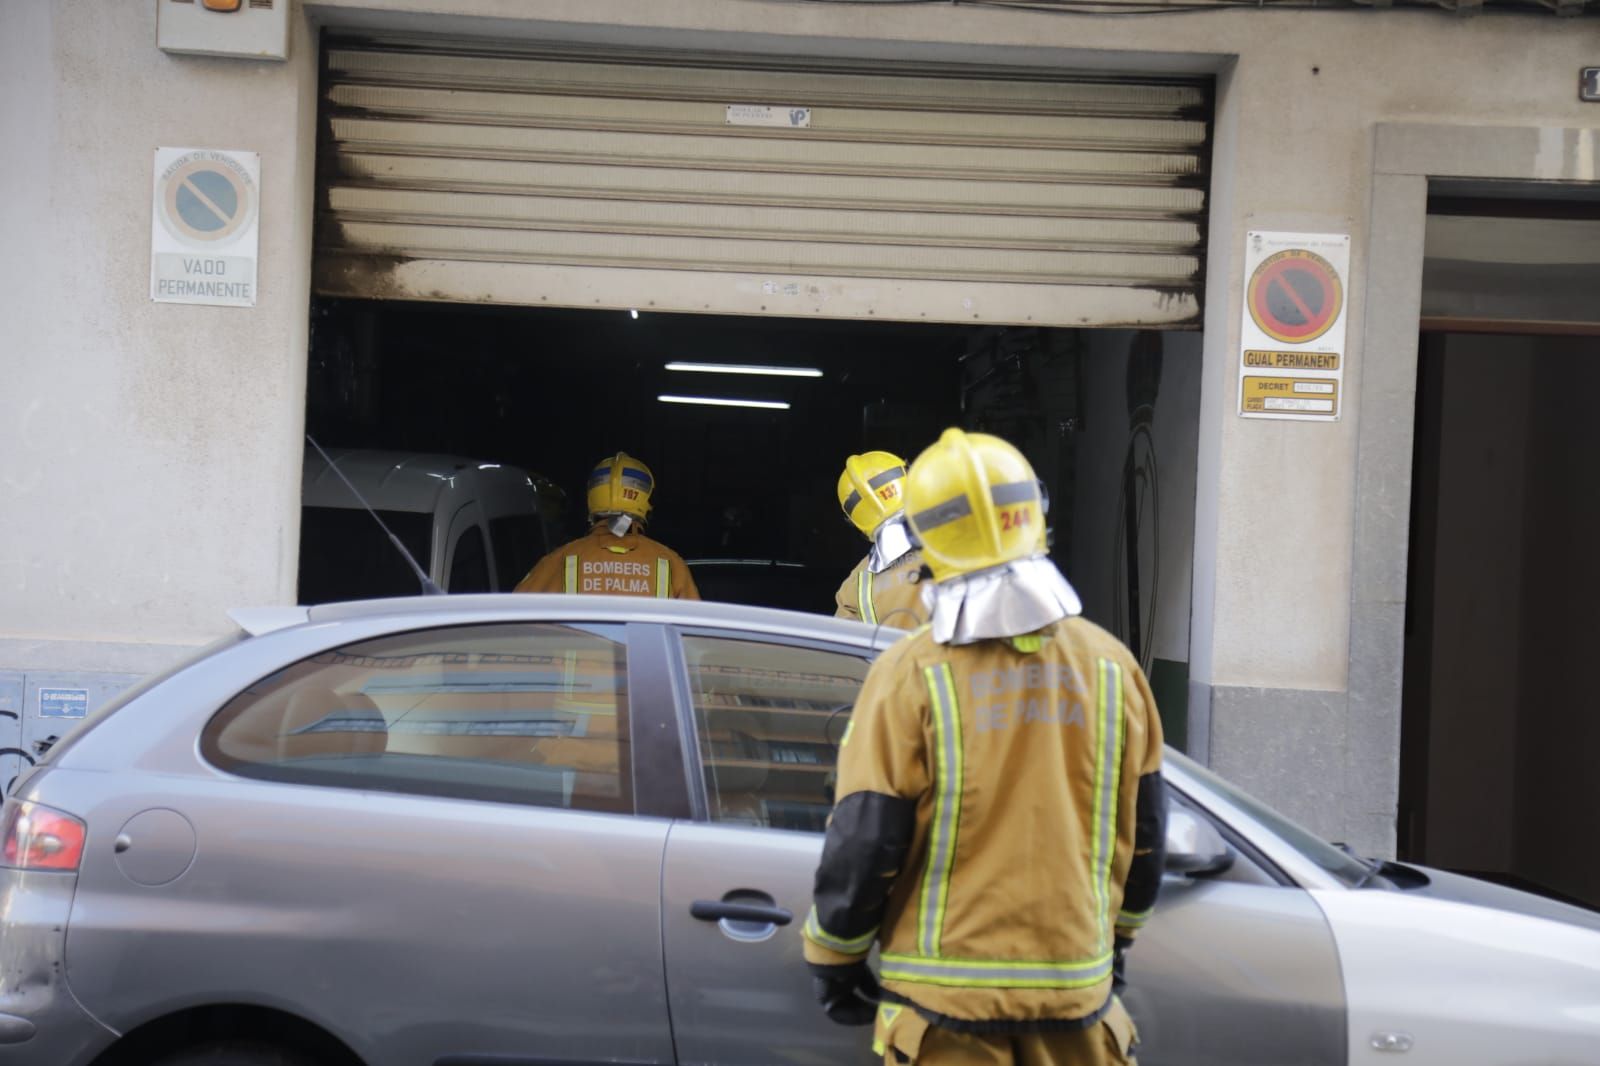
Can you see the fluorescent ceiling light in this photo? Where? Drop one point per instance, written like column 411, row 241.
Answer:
column 719, row 401
column 742, row 368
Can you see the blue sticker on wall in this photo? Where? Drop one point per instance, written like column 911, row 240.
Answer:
column 63, row 702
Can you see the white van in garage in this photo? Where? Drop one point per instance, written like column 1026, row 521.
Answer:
column 475, row 526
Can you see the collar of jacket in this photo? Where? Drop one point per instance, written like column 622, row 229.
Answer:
column 890, row 544
column 1003, row 601
column 618, row 525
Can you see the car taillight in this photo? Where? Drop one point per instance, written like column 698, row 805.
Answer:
column 38, row 838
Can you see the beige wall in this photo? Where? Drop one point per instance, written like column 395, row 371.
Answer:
column 150, row 452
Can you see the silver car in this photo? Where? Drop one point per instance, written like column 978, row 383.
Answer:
column 509, row 830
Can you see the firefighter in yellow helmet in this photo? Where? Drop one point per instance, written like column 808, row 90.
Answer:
column 884, row 585
column 999, row 825
column 615, row 559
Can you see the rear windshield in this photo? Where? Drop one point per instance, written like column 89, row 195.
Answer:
column 345, row 555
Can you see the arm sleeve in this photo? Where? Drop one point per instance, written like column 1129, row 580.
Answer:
column 844, row 600
column 1150, row 811
column 882, row 776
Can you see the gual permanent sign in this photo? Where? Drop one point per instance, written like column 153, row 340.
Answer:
column 205, row 226
column 1292, row 329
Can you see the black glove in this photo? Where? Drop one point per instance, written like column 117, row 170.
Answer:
column 1119, row 960
column 849, row 994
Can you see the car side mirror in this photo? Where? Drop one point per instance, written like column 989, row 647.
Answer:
column 1194, row 847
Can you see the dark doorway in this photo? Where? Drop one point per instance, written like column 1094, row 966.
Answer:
column 1500, row 721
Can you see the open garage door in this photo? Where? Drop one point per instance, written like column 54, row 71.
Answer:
column 491, row 173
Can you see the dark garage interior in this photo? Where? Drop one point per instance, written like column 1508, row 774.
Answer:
column 554, row 390
column 1097, row 411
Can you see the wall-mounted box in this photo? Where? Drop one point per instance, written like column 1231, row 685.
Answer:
column 244, row 29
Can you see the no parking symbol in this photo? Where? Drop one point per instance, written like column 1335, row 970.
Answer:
column 204, row 230
column 1292, row 332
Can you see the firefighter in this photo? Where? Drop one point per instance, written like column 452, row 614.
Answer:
column 1000, row 821
column 884, row 586
column 615, row 559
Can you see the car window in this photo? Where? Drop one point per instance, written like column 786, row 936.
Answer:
column 1341, row 865
column 345, row 555
column 469, row 567
column 524, row 713
column 768, row 718
column 518, row 544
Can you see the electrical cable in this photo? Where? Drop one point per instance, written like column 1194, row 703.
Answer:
column 1127, row 541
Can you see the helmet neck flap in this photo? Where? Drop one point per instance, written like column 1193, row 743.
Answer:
column 891, row 542
column 1009, row 600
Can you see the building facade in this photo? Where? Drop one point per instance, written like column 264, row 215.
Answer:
column 152, row 450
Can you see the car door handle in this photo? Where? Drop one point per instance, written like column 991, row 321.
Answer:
column 716, row 910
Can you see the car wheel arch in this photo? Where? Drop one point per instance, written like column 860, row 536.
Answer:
column 181, row 1029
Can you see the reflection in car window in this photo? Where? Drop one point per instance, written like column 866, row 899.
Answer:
column 523, row 713
column 1346, row 868
column 769, row 718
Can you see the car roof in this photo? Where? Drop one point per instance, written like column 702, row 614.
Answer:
column 395, row 480
column 505, row 606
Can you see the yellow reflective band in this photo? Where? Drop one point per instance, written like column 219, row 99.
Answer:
column 889, row 1012
column 663, row 579
column 850, row 727
column 814, row 932
column 572, row 573
column 1028, row 643
column 1133, row 919
column 995, row 973
column 1108, row 763
column 869, row 614
column 948, row 767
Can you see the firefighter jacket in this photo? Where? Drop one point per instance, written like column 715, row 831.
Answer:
column 1000, row 820
column 893, row 596
column 605, row 564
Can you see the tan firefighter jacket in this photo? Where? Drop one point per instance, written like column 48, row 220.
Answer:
column 991, row 800
column 893, row 597
column 603, row 564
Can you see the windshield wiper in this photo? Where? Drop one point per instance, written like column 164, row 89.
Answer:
column 1371, row 867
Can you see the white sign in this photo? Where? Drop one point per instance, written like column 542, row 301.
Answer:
column 1292, row 330
column 205, row 227
column 759, row 115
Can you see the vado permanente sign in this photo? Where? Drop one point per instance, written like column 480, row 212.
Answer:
column 205, row 227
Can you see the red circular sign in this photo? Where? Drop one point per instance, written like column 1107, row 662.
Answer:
column 1295, row 296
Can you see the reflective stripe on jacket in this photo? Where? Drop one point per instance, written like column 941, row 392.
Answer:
column 893, row 597
column 987, row 822
column 604, row 564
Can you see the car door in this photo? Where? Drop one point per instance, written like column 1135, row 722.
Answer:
column 767, row 715
column 1237, row 967
column 424, row 842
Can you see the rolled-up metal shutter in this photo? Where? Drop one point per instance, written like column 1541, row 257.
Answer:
column 489, row 173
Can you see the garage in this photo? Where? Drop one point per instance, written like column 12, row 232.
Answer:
column 742, row 269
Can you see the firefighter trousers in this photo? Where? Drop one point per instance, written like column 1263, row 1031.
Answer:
column 904, row 1037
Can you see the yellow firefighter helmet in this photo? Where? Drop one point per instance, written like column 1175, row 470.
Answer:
column 620, row 484
column 973, row 502
column 872, row 489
